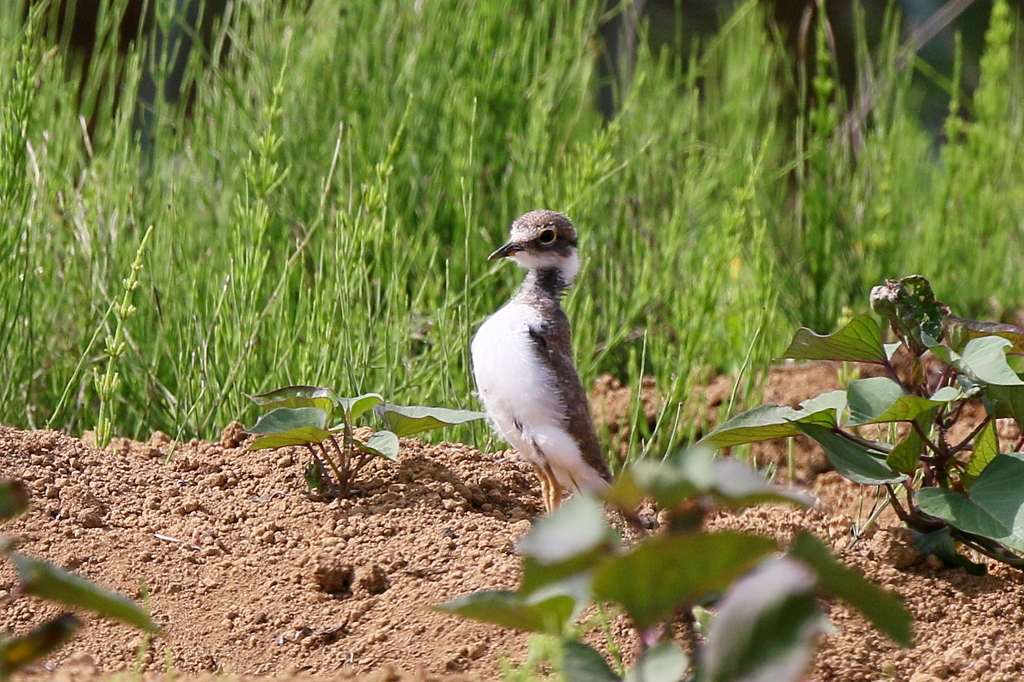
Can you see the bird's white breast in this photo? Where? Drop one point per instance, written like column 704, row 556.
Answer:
column 515, row 386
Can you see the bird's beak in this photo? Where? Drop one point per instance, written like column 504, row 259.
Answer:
column 506, row 251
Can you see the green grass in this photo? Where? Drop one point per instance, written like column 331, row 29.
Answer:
column 323, row 213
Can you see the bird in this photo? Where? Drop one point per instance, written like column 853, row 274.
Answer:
column 523, row 365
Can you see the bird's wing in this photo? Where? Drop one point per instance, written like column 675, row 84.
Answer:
column 553, row 341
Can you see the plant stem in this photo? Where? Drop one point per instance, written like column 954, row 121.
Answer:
column 107, row 385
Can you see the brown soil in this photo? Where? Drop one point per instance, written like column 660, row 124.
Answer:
column 251, row 577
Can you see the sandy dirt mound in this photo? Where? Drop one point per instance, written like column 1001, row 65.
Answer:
column 252, row 577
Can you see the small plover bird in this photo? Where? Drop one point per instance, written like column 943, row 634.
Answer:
column 522, row 363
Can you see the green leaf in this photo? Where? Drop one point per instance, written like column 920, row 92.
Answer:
column 285, row 426
column 906, row 456
column 737, row 485
column 959, row 331
column 984, row 359
column 382, row 443
column 1006, row 401
column 49, row 582
column 995, row 507
column 696, row 472
column 18, row 652
column 546, row 610
column 407, row 420
column 664, row 662
column 298, row 396
column 582, row 663
column 883, row 609
column 667, row 482
column 575, row 528
column 859, row 341
column 881, row 400
column 284, row 419
column 766, row 627
column 773, row 421
column 940, row 543
column 355, row 407
column 573, row 539
column 851, row 459
column 13, row 498
column 663, row 572
column 986, row 447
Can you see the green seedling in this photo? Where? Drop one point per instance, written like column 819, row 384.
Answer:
column 965, row 490
column 46, row 581
column 768, row 618
column 321, row 421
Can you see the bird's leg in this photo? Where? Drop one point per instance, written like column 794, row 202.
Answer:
column 550, row 487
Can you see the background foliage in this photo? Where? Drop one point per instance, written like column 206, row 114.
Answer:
column 323, row 211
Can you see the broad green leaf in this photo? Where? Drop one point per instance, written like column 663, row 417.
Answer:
column 299, row 436
column 575, row 528
column 285, row 426
column 995, row 507
column 298, row 396
column 766, row 627
column 737, row 485
column 986, row 447
column 883, row 609
column 49, row 582
column 663, row 662
column 859, row 341
column 984, row 359
column 18, row 652
column 355, row 407
column 582, row 663
column 940, row 543
column 959, row 331
column 774, row 421
column 881, row 400
column 283, row 419
column 664, row 572
column 13, row 498
column 906, row 456
column 851, row 459
column 407, row 420
column 1005, row 401
column 667, row 482
column 731, row 482
column 383, row 443
column 548, row 610
column 572, row 540
column 961, row 512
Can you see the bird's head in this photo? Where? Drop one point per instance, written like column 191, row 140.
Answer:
column 542, row 240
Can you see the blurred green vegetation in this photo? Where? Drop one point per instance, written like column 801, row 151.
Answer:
column 323, row 211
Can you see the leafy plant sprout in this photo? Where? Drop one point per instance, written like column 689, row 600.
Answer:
column 766, row 622
column 948, row 490
column 312, row 416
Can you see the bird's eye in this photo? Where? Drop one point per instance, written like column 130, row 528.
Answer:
column 547, row 237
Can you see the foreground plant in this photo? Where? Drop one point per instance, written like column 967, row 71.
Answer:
column 320, row 420
column 49, row 582
column 768, row 619
column 947, row 490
